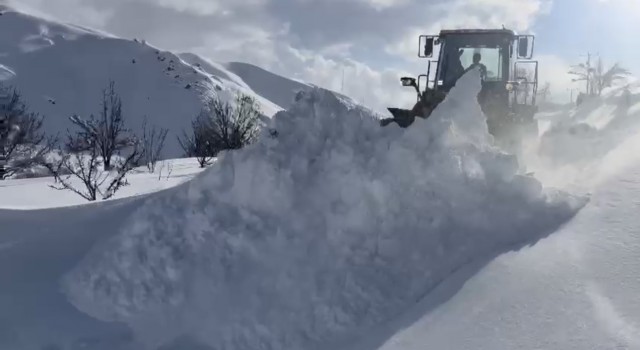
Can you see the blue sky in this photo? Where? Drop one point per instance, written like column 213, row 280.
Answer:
column 574, row 27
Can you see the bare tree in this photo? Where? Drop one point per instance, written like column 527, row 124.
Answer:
column 107, row 130
column 199, row 142
column 221, row 126
column 234, row 128
column 597, row 78
column 169, row 167
column 23, row 144
column 584, row 72
column 604, row 78
column 84, row 166
column 152, row 144
column 88, row 167
column 100, row 154
column 545, row 91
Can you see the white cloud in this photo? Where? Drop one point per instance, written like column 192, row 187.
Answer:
column 72, row 11
column 206, row 7
column 518, row 15
column 385, row 4
column 554, row 69
column 378, row 89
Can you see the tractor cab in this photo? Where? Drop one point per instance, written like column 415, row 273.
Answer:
column 509, row 76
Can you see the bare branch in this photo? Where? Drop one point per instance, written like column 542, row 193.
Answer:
column 127, row 165
column 152, row 144
column 22, row 141
column 199, row 143
column 94, row 148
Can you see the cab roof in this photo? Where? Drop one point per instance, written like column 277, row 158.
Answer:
column 505, row 31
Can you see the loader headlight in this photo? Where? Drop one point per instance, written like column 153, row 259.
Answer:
column 509, row 87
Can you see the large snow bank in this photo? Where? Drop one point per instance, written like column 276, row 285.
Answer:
column 575, row 290
column 328, row 225
column 575, row 141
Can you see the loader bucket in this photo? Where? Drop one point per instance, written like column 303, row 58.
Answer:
column 403, row 117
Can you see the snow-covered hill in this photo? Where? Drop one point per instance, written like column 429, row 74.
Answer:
column 61, row 70
column 263, row 82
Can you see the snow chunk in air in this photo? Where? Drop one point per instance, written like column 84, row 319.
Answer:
column 326, row 226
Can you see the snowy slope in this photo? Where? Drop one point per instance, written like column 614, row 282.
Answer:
column 62, row 69
column 274, row 87
column 270, row 86
column 328, row 225
column 219, row 73
column 215, row 69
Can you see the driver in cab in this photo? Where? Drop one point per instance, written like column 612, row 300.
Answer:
column 477, row 57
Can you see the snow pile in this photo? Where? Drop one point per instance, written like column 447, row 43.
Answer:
column 594, row 128
column 576, row 140
column 326, row 226
column 575, row 290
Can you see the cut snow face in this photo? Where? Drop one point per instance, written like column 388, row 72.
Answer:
column 576, row 290
column 328, row 225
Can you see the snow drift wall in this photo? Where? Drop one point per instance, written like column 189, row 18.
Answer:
column 328, row 225
column 590, row 131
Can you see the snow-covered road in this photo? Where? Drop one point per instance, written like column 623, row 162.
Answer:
column 36, row 248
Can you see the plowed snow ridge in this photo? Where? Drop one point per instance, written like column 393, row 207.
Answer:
column 328, row 225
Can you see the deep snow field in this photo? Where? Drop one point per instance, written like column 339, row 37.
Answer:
column 331, row 232
column 37, row 193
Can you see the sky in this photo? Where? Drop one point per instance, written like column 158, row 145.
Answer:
column 371, row 42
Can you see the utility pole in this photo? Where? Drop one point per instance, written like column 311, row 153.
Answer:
column 4, row 132
column 570, row 94
column 571, row 98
